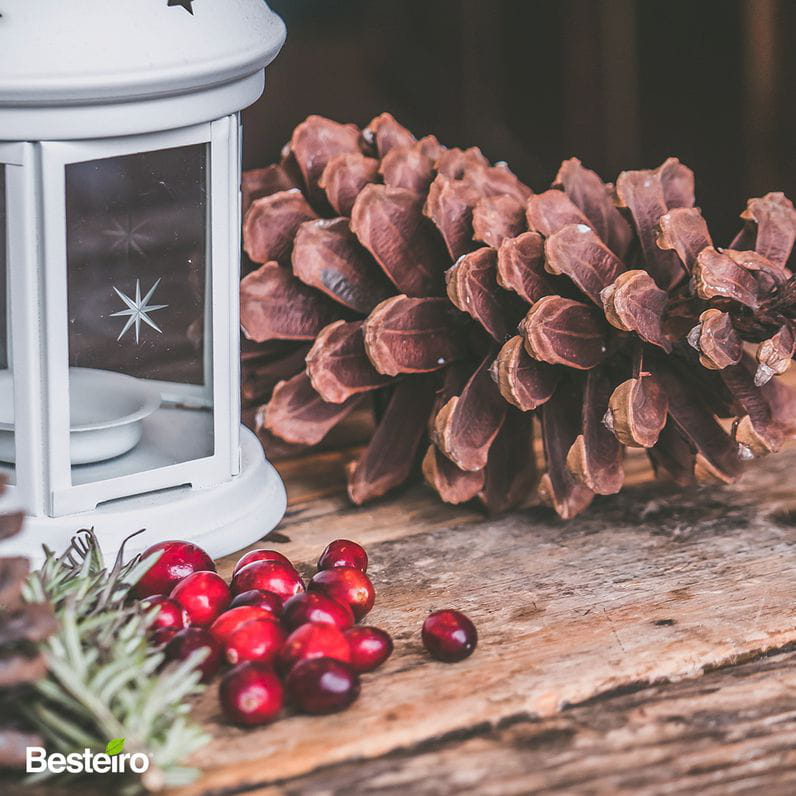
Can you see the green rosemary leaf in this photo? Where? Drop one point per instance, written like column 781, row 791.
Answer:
column 70, row 734
column 105, row 681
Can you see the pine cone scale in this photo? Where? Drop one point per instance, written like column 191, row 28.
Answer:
column 774, row 219
column 275, row 306
column 388, row 222
column 562, row 331
column 326, row 257
column 595, row 456
column 643, row 193
column 560, row 427
column 523, row 381
column 575, row 251
column 466, row 426
column 684, row 230
column 412, row 335
column 10, row 524
column 634, row 303
column 298, row 415
column 393, row 451
column 588, row 193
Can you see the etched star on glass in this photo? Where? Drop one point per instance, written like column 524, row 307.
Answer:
column 128, row 234
column 138, row 310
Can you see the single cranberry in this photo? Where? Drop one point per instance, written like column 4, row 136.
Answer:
column 313, row 607
column 233, row 618
column 260, row 555
column 322, row 685
column 314, row 640
column 204, row 595
column 266, row 600
column 370, row 647
column 169, row 612
column 191, row 639
column 258, row 640
column 163, row 635
column 273, row 576
column 251, row 694
column 343, row 553
column 346, row 585
column 449, row 635
column 177, row 560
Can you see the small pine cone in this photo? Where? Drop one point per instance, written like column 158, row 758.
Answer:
column 466, row 305
column 22, row 626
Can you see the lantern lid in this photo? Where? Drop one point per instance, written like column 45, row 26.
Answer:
column 57, row 53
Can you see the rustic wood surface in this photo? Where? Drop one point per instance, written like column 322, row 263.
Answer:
column 589, row 633
column 731, row 731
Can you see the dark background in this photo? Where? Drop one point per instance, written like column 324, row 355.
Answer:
column 621, row 84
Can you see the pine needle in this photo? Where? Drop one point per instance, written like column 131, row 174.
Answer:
column 105, row 680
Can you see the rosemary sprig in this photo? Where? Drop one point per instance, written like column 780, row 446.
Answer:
column 105, row 681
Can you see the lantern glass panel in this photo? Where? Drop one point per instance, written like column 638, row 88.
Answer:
column 7, row 448
column 138, row 278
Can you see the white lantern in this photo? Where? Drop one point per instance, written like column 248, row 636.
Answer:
column 119, row 266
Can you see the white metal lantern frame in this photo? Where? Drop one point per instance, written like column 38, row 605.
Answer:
column 222, row 501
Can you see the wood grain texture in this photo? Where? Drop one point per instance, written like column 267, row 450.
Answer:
column 732, row 731
column 650, row 586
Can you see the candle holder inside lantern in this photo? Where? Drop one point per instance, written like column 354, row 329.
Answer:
column 119, row 271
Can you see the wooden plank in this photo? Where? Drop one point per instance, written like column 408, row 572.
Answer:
column 652, row 585
column 731, row 731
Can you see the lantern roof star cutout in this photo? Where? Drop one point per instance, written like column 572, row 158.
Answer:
column 186, row 4
column 138, row 310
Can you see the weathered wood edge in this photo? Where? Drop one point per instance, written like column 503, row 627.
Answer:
column 731, row 731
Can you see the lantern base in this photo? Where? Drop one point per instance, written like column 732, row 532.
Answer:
column 220, row 519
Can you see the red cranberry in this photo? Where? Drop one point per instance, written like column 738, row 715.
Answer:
column 322, row 685
column 177, row 561
column 191, row 639
column 251, row 694
column 260, row 555
column 273, row 576
column 169, row 613
column 314, row 640
column 312, row 607
column 163, row 635
column 266, row 600
column 449, row 635
column 343, row 553
column 346, row 585
column 258, row 640
column 370, row 647
column 234, row 618
column 204, row 595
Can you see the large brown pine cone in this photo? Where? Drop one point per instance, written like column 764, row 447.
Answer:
column 22, row 626
column 400, row 268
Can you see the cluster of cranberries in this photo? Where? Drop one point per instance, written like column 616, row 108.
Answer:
column 281, row 637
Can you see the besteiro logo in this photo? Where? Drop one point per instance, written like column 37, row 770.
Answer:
column 114, row 760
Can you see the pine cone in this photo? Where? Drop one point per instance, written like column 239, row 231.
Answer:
column 22, row 626
column 601, row 356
